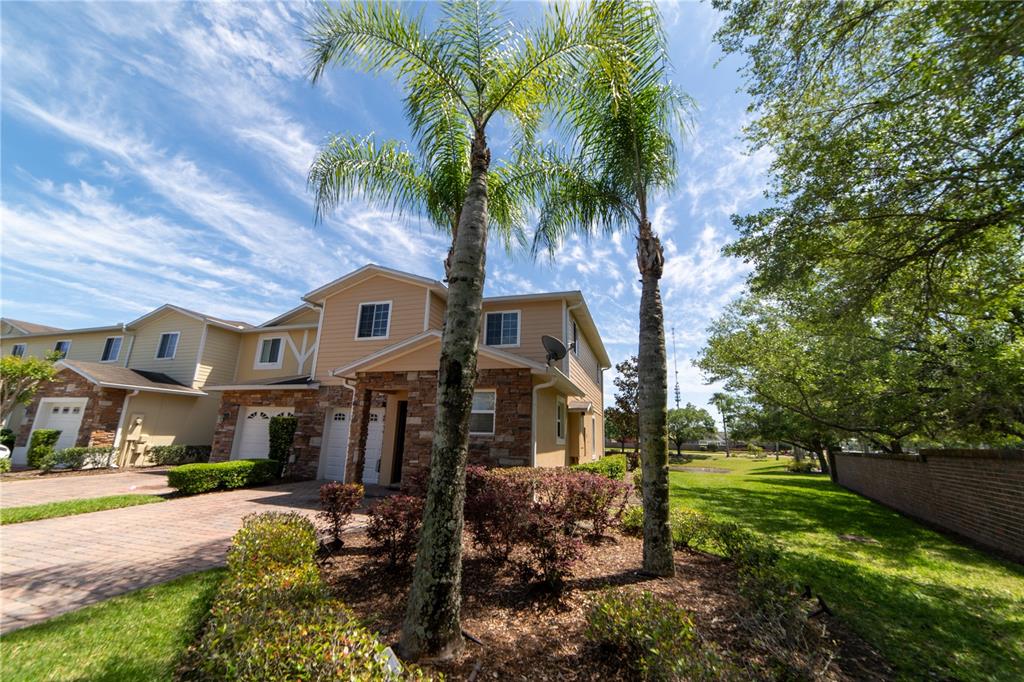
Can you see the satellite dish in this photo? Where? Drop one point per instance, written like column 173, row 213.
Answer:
column 555, row 348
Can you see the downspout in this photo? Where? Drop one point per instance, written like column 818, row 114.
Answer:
column 120, row 427
column 131, row 344
column 568, row 327
column 533, row 417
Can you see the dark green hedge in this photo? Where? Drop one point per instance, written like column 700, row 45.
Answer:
column 612, row 466
column 41, row 447
column 76, row 458
column 163, row 455
column 201, row 478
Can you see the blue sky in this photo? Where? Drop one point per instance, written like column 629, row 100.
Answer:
column 157, row 153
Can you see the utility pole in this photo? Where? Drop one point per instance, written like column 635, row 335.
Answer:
column 675, row 361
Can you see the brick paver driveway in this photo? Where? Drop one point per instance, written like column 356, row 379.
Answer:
column 18, row 493
column 56, row 565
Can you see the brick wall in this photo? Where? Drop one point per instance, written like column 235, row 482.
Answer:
column 100, row 416
column 509, row 446
column 978, row 494
column 310, row 409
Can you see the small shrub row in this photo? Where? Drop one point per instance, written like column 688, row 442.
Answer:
column 801, row 466
column 651, row 639
column 337, row 503
column 77, row 458
column 545, row 512
column 7, row 438
column 274, row 618
column 612, row 466
column 5, row 465
column 41, row 447
column 168, row 455
column 201, row 478
column 394, row 527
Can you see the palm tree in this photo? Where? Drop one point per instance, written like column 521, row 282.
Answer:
column 472, row 67
column 626, row 138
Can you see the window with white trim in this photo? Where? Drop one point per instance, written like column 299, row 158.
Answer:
column 374, row 320
column 62, row 348
column 575, row 339
column 111, row 349
column 481, row 420
column 560, row 420
column 269, row 355
column 502, row 329
column 18, row 350
column 168, row 347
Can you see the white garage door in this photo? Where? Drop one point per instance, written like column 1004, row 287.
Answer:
column 374, row 443
column 335, row 451
column 252, row 441
column 65, row 416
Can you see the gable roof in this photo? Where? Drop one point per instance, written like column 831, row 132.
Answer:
column 233, row 325
column 422, row 340
column 370, row 269
column 30, row 327
column 302, row 307
column 115, row 376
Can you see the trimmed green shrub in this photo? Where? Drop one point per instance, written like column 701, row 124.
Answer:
column 77, row 458
column 650, row 639
column 7, row 438
column 5, row 465
column 612, row 466
column 803, row 466
column 282, row 433
column 633, row 521
column 165, row 455
column 638, row 479
column 201, row 478
column 274, row 618
column 41, row 446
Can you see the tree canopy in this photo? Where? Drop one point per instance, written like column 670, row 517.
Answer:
column 688, row 424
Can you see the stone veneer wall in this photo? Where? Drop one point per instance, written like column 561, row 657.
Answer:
column 978, row 494
column 99, row 417
column 509, row 446
column 310, row 408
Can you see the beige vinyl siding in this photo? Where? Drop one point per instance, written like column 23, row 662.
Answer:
column 172, row 420
column 86, row 346
column 338, row 345
column 437, row 309
column 550, row 453
column 536, row 318
column 304, row 341
column 147, row 338
column 220, row 354
column 584, row 372
column 6, row 329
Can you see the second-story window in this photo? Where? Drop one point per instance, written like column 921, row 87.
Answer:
column 18, row 350
column 168, row 346
column 61, row 348
column 111, row 349
column 374, row 320
column 575, row 339
column 270, row 353
column 502, row 329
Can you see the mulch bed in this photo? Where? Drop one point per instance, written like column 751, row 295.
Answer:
column 527, row 634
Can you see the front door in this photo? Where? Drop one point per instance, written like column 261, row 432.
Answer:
column 396, row 469
column 374, row 445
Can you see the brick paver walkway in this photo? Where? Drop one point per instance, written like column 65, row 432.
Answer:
column 57, row 565
column 18, row 493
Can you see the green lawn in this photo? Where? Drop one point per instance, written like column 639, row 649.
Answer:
column 137, row 636
column 935, row 608
column 51, row 510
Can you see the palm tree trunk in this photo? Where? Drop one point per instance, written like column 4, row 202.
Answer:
column 431, row 626
column 652, row 372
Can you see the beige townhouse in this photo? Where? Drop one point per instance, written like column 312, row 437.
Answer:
column 131, row 385
column 355, row 363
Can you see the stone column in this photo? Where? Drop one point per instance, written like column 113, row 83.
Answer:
column 357, row 436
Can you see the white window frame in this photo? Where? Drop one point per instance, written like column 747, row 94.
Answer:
column 16, row 347
column 256, row 364
column 359, row 315
column 493, row 413
column 519, row 327
column 561, row 419
column 117, row 354
column 160, row 342
column 67, row 352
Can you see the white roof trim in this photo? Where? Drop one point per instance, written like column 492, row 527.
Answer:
column 183, row 390
column 265, row 387
column 64, row 332
column 169, row 307
column 282, row 316
column 317, row 294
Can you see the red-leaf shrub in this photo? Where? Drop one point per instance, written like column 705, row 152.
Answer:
column 497, row 508
column 337, row 502
column 597, row 499
column 394, row 527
